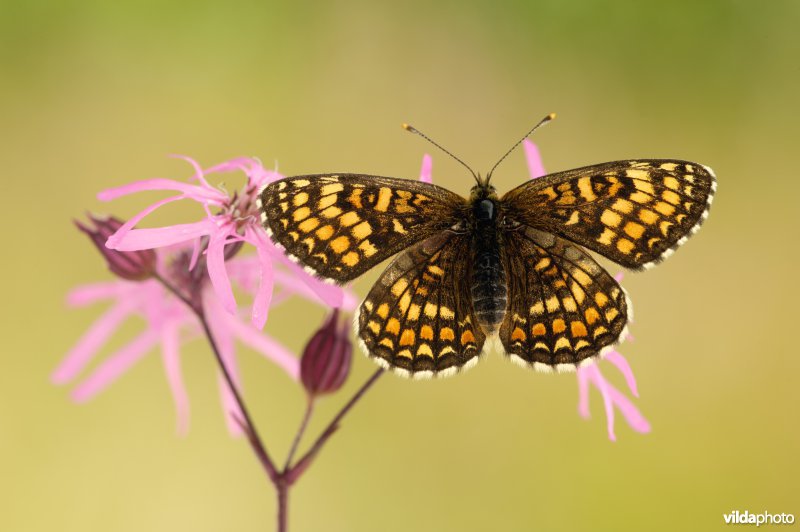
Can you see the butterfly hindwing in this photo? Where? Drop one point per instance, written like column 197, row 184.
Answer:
column 341, row 225
column 563, row 308
column 418, row 318
column 635, row 213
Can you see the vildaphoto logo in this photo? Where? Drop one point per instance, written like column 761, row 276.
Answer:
column 765, row 518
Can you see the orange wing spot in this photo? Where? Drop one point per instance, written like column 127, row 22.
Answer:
column 601, row 299
column 664, row 208
column 552, row 304
column 308, row 225
column 398, row 227
column 362, row 230
column 640, row 197
column 405, row 301
column 295, row 235
column 611, row 314
column 538, row 329
column 405, row 353
column 622, row 205
column 321, row 256
column 542, row 264
column 351, row 258
column 644, row 186
column 424, row 350
column 671, row 197
column 300, row 183
column 562, row 343
column 384, row 196
column 326, row 202
column 648, row 216
column 387, row 342
column 446, row 334
column 652, row 242
column 374, row 326
column 300, row 199
column 426, row 333
column 606, row 237
column 340, row 244
column 559, row 326
column 367, row 248
column 578, row 329
column 591, row 315
column 634, row 230
column 625, row 245
column 331, row 189
column 585, row 188
column 324, row 233
column 580, row 344
column 599, row 331
column 435, row 270
column 581, row 277
column 518, row 334
column 393, row 326
column 569, row 304
column 309, row 242
column 671, row 182
column 331, row 212
column 413, row 312
column 399, row 287
column 355, row 199
column 669, row 167
column 430, row 310
column 638, row 174
column 467, row 337
column 349, row 218
column 383, row 310
column 664, row 226
column 301, row 214
column 408, row 337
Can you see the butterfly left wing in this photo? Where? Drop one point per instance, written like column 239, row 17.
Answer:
column 339, row 226
column 418, row 319
column 635, row 213
column 563, row 308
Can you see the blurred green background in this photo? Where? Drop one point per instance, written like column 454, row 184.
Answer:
column 95, row 94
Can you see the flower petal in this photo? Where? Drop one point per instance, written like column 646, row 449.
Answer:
column 117, row 364
column 426, row 172
column 112, row 241
column 93, row 339
column 171, row 357
column 86, row 294
column 215, row 261
column 263, row 296
column 622, row 365
column 535, row 166
column 157, row 237
column 197, row 193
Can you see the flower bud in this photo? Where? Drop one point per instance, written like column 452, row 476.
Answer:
column 131, row 265
column 326, row 359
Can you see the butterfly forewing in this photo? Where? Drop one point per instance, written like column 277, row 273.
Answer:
column 635, row 213
column 341, row 225
column 418, row 318
column 563, row 308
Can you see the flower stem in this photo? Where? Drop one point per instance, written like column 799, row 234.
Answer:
column 300, row 432
column 302, row 464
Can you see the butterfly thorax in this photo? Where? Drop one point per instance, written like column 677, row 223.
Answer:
column 488, row 283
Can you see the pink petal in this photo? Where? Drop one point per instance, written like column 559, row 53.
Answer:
column 535, row 166
column 137, row 239
column 270, row 348
column 170, row 355
column 112, row 241
column 198, row 170
column 218, row 322
column 93, row 339
column 87, row 294
column 629, row 411
column 622, row 365
column 263, row 296
column 426, row 172
column 618, row 276
column 583, row 393
column 117, row 364
column 215, row 261
column 209, row 194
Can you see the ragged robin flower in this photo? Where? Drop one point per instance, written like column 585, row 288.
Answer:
column 326, row 358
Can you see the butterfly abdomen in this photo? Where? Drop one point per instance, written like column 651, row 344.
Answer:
column 489, row 292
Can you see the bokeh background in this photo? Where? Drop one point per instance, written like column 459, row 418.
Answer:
column 94, row 94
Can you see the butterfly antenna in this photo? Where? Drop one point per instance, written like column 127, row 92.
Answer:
column 542, row 122
column 412, row 129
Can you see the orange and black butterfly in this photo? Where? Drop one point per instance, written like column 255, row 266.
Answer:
column 468, row 268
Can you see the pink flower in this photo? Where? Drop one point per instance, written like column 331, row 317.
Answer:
column 611, row 396
column 230, row 220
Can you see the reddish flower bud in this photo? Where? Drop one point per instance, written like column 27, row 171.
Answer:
column 326, row 359
column 131, row 265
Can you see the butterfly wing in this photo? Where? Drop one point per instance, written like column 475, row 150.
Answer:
column 339, row 226
column 635, row 213
column 563, row 308
column 418, row 319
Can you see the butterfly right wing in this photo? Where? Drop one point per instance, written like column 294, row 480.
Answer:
column 563, row 308
column 418, row 319
column 341, row 225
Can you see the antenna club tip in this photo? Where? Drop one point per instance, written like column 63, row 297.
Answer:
column 551, row 116
column 406, row 126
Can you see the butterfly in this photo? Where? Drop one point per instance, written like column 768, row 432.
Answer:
column 467, row 269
